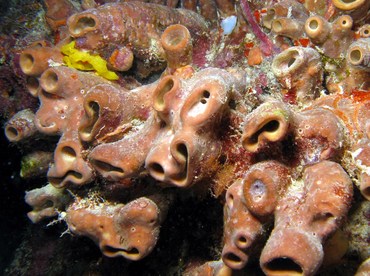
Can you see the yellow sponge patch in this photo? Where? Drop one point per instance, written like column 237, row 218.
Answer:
column 86, row 62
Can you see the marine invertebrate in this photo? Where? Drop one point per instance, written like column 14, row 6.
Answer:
column 261, row 134
column 250, row 202
column 308, row 224
column 21, row 126
column 129, row 230
column 92, row 30
column 46, row 202
column 299, row 71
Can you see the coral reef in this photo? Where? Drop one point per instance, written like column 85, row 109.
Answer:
column 262, row 106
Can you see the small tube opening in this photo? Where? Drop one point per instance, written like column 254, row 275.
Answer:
column 33, row 85
column 313, row 24
column 60, row 181
column 106, row 167
column 205, row 96
column 26, row 62
column 11, row 133
column 284, row 265
column 174, row 38
column 110, row 250
column 83, row 23
column 69, row 154
column 271, row 126
column 164, row 87
column 291, row 61
column 49, row 81
column 182, row 150
column 93, row 109
column 156, row 169
column 277, row 26
column 232, row 259
column 355, row 56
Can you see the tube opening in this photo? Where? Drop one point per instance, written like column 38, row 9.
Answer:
column 164, row 87
column 49, row 81
column 106, row 167
column 291, row 61
column 33, row 85
column 26, row 62
column 93, row 109
column 174, row 38
column 182, row 151
column 270, row 127
column 230, row 200
column 257, row 190
column 61, row 181
column 110, row 250
column 277, row 26
column 313, row 24
column 69, row 154
column 284, row 265
column 11, row 133
column 84, row 23
column 232, row 259
column 205, row 96
column 242, row 241
column 156, row 170
column 355, row 56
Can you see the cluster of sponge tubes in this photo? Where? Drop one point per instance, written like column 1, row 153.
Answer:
column 173, row 131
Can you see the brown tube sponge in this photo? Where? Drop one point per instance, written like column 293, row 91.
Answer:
column 364, row 31
column 46, row 202
column 165, row 97
column 299, row 70
column 21, row 126
column 70, row 167
column 358, row 9
column 288, row 27
column 317, row 29
column 178, row 159
column 110, row 111
column 341, row 37
column 63, row 90
column 204, row 103
column 268, row 123
column 241, row 228
column 358, row 54
column 178, row 47
column 34, row 61
column 263, row 185
column 281, row 10
column 141, row 34
column 318, row 141
column 125, row 157
column 129, row 230
column 191, row 109
column 310, row 212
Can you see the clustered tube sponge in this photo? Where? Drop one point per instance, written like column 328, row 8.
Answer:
column 129, row 230
column 121, row 31
column 281, row 155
